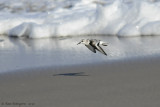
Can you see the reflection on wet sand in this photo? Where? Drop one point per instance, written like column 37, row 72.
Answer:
column 21, row 53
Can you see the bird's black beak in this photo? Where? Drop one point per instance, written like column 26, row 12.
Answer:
column 78, row 43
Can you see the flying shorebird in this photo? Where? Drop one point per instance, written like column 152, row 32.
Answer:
column 93, row 45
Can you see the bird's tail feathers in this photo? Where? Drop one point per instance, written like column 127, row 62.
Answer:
column 104, row 44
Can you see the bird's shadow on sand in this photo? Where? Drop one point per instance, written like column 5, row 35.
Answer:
column 71, row 74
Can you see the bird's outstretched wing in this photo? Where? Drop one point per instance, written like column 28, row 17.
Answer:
column 100, row 49
column 90, row 48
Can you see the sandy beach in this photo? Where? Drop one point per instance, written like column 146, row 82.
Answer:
column 41, row 64
column 43, row 77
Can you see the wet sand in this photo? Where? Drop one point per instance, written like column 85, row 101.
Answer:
column 128, row 78
column 122, row 84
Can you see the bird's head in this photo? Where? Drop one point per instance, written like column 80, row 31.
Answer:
column 83, row 41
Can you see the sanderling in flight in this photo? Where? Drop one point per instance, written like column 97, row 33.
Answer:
column 93, row 45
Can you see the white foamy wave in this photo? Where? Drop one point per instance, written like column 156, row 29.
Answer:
column 52, row 18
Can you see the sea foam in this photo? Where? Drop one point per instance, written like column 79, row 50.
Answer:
column 48, row 18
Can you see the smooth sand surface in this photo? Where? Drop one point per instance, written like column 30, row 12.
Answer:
column 72, row 76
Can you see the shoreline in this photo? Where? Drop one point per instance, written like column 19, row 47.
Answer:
column 20, row 54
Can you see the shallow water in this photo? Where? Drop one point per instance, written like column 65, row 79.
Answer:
column 23, row 53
